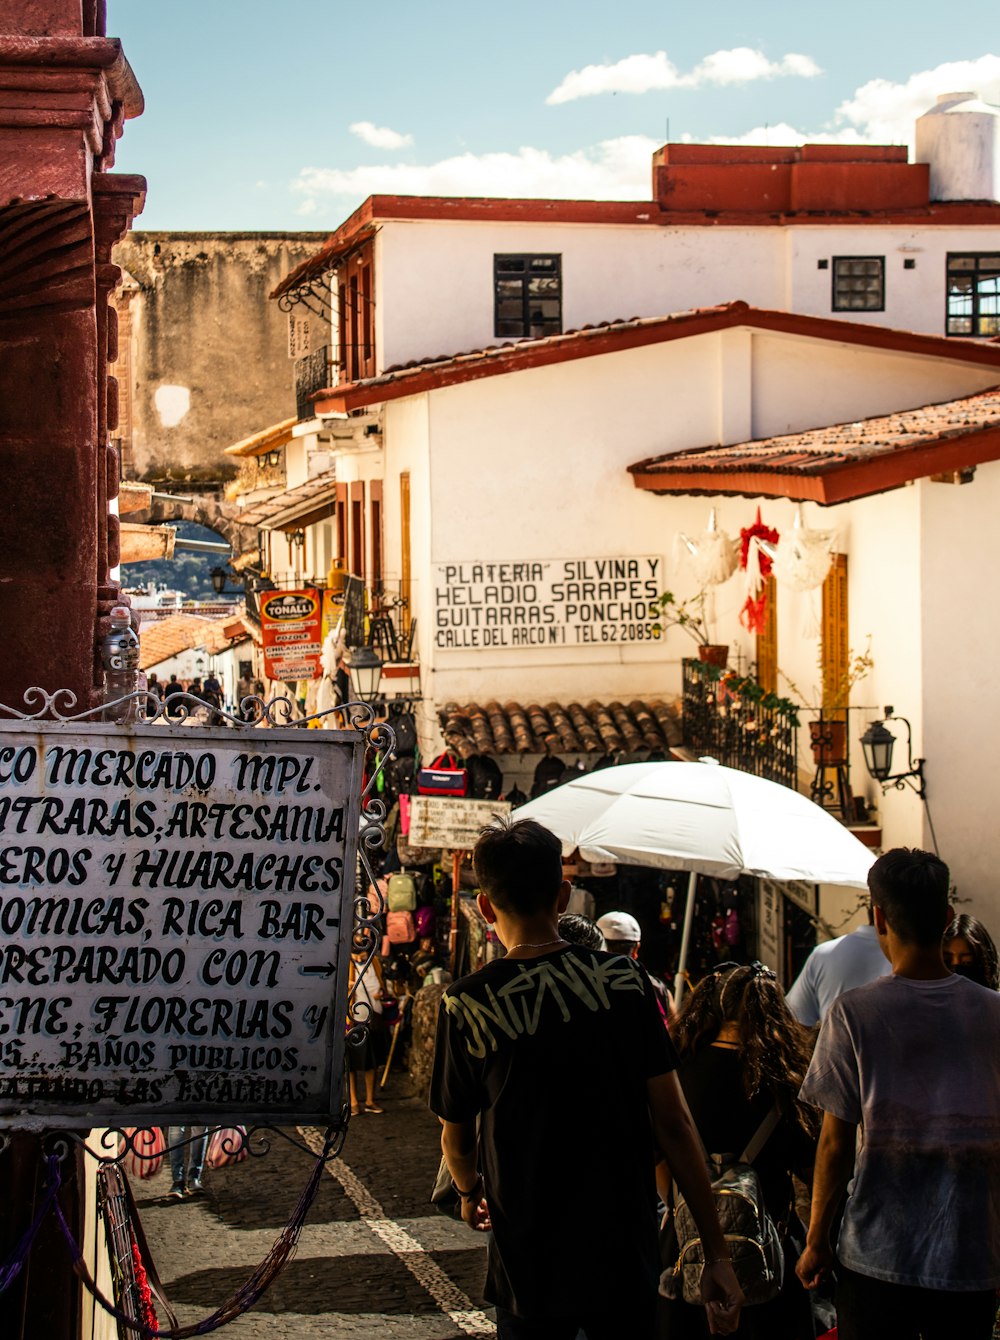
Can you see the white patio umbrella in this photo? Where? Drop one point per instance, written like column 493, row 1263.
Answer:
column 703, row 818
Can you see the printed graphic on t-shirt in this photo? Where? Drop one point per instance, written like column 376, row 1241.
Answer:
column 516, row 1007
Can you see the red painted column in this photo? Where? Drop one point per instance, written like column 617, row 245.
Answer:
column 65, row 92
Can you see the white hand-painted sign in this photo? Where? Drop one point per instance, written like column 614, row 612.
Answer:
column 176, row 907
column 550, row 602
column 451, row 821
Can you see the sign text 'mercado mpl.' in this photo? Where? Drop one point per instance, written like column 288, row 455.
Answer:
column 175, row 918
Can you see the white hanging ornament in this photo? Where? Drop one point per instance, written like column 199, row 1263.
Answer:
column 803, row 556
column 712, row 558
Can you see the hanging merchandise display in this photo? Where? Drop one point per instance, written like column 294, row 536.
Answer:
column 756, row 559
column 804, row 556
column 712, row 557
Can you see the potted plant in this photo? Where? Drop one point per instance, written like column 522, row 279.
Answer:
column 828, row 732
column 692, row 615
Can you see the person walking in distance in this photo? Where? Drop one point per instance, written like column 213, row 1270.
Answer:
column 911, row 1060
column 833, row 967
column 555, row 1051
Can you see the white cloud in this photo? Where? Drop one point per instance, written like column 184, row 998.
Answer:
column 884, row 112
column 379, row 137
column 781, row 133
column 642, row 73
column 617, row 169
column 879, row 112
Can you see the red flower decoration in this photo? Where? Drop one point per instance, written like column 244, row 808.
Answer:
column 754, row 611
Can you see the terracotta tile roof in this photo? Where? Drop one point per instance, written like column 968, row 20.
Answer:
column 840, row 462
column 295, row 508
column 160, row 640
column 597, row 728
column 442, row 370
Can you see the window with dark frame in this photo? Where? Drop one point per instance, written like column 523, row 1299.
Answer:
column 527, row 296
column 973, row 294
column 859, row 283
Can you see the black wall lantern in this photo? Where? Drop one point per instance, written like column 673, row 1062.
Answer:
column 878, row 743
column 218, row 576
column 366, row 672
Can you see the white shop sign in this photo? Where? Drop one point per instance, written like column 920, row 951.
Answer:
column 451, row 821
column 176, row 907
column 770, row 924
column 550, row 602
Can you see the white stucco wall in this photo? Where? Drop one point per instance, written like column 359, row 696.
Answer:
column 960, row 577
column 799, row 384
column 914, row 299
column 533, row 465
column 434, row 278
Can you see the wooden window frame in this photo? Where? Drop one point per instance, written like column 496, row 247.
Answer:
column 358, row 556
column 375, row 530
column 835, row 655
column 404, row 548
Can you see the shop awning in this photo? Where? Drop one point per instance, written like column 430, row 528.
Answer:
column 841, row 462
column 571, row 728
column 268, row 439
column 313, row 501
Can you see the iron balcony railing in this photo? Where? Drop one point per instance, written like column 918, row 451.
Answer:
column 312, row 373
column 730, row 718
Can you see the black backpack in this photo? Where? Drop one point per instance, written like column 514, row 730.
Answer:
column 401, row 774
column 485, row 777
column 406, row 733
column 548, row 774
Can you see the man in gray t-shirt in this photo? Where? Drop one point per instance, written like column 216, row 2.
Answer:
column 912, row 1059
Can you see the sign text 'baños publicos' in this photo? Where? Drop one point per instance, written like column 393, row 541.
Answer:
column 175, row 917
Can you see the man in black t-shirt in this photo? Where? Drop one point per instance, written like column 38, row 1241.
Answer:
column 559, row 1053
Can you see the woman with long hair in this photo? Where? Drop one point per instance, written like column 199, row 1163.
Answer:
column 969, row 950
column 742, row 1055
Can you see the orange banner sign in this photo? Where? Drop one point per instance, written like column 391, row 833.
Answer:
column 290, row 622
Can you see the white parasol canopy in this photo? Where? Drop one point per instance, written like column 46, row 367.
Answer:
column 703, row 818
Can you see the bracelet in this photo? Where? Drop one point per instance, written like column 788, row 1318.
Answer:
column 467, row 1195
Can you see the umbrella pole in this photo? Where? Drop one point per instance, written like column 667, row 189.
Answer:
column 685, row 938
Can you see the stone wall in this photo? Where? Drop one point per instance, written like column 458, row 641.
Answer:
column 206, row 361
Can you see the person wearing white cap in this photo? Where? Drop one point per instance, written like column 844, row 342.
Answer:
column 621, row 932
column 623, row 935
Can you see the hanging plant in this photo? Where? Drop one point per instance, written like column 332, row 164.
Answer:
column 756, row 559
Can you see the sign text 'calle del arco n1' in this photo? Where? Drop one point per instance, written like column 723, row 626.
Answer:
column 175, row 916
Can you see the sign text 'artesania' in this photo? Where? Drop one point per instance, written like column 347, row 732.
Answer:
column 175, row 911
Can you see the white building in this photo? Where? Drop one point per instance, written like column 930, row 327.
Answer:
column 488, row 470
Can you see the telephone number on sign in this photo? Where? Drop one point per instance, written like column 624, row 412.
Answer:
column 615, row 632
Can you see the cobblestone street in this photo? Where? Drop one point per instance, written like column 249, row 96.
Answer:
column 374, row 1258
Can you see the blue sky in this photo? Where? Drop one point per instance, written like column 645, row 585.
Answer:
column 263, row 116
